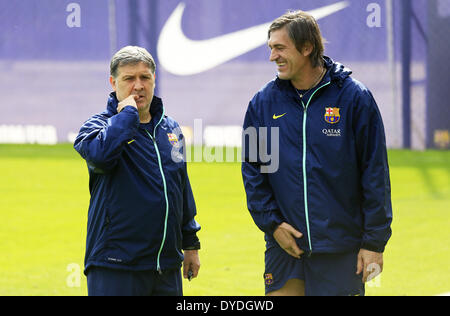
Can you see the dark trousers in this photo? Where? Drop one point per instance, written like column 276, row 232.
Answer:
column 324, row 274
column 111, row 282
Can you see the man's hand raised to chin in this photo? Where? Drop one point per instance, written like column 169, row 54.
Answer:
column 130, row 100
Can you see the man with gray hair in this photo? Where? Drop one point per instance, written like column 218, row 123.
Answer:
column 141, row 225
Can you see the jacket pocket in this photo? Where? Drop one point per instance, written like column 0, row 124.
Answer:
column 103, row 235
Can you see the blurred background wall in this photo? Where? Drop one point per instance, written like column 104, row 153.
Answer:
column 54, row 61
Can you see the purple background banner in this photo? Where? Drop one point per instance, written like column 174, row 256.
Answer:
column 54, row 58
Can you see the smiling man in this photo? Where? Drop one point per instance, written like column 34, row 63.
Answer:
column 326, row 212
column 141, row 224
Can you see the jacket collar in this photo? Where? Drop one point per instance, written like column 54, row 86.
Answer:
column 336, row 72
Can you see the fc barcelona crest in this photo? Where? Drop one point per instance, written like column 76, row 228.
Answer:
column 268, row 278
column 332, row 115
column 173, row 139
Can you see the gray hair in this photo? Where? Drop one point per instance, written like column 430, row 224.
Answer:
column 130, row 55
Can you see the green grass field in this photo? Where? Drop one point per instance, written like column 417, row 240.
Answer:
column 44, row 199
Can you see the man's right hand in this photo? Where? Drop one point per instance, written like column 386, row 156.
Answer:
column 285, row 235
column 130, row 100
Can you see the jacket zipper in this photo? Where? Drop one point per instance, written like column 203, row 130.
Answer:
column 305, row 187
column 153, row 138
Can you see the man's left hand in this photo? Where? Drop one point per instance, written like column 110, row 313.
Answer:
column 191, row 263
column 370, row 263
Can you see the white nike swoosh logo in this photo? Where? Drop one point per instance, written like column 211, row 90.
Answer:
column 182, row 56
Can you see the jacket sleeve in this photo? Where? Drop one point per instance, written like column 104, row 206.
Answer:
column 260, row 198
column 101, row 138
column 374, row 170
column 190, row 226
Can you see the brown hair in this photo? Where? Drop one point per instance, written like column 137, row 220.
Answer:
column 302, row 28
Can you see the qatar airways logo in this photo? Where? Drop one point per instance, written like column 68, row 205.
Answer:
column 331, row 132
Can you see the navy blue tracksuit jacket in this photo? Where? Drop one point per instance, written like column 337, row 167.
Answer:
column 141, row 212
column 332, row 182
